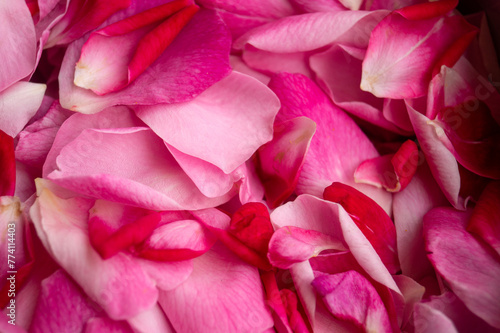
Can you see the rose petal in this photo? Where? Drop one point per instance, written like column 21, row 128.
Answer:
column 8, row 165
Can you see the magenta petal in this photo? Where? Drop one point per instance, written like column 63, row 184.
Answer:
column 224, row 125
column 7, row 164
column 223, row 294
column 290, row 245
column 18, row 49
column 393, row 172
column 281, row 160
column 470, row 268
column 181, row 73
column 417, row 37
column 351, row 297
column 336, row 135
column 104, row 178
column 485, row 220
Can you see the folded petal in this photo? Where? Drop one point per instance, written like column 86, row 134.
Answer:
column 290, row 245
column 336, row 135
column 485, row 220
column 470, row 268
column 281, row 160
column 351, row 297
column 181, row 73
column 18, row 49
column 223, row 294
column 371, row 219
column 393, row 172
column 105, row 178
column 224, row 125
column 419, row 39
column 8, row 165
column 18, row 103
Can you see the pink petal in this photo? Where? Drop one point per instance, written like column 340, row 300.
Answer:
column 104, row 324
column 226, row 132
column 442, row 163
column 419, row 37
column 412, row 293
column 408, row 214
column 470, row 268
column 295, row 318
column 281, row 160
column 223, row 294
column 258, row 8
column 121, row 288
column 18, row 49
column 485, row 220
column 336, row 135
column 276, row 303
column 8, row 165
column 181, row 73
column 162, row 185
column 393, row 172
column 371, row 219
column 18, row 103
column 290, row 245
column 151, row 321
column 351, row 297
column 269, row 63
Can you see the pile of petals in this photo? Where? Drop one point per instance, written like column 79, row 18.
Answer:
column 249, row 166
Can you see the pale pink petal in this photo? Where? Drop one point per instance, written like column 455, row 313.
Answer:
column 421, row 38
column 336, row 135
column 311, row 31
column 18, row 103
column 18, row 49
column 412, row 293
column 111, row 171
column 485, row 220
column 393, row 172
column 223, row 294
column 239, row 65
column 251, row 188
column 470, row 268
column 409, row 208
column 318, row 5
column 36, row 139
column 121, row 287
column 281, row 160
column 151, row 321
column 226, row 132
column 351, row 297
column 371, row 219
column 442, row 163
column 270, row 63
column 290, row 245
column 183, row 71
column 429, row 320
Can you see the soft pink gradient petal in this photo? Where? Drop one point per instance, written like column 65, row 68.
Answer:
column 290, row 245
column 18, row 49
column 198, row 58
column 409, row 208
column 269, row 63
column 469, row 266
column 112, row 171
column 153, row 320
column 223, row 294
column 412, row 294
column 336, row 135
column 281, row 160
column 18, row 104
column 419, row 38
column 485, row 220
column 351, row 297
column 224, row 125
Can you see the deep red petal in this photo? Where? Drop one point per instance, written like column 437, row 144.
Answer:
column 7, row 165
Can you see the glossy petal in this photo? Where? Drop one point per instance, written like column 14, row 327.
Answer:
column 393, row 172
column 336, row 135
column 485, row 220
column 226, row 132
column 371, row 219
column 223, row 294
column 421, row 37
column 105, row 178
column 182, row 72
column 18, row 103
column 18, row 43
column 8, row 165
column 290, row 245
column 281, row 160
column 351, row 297
column 470, row 268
